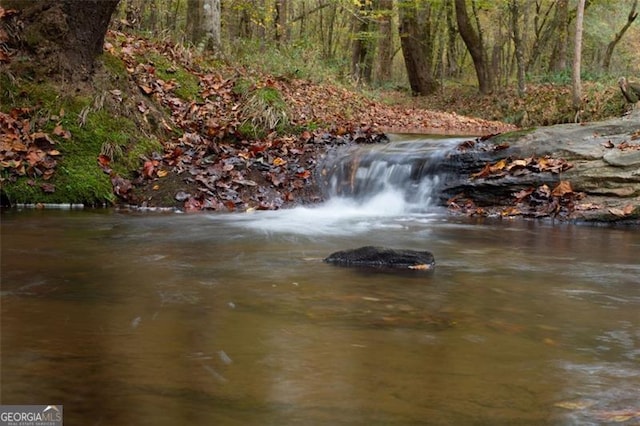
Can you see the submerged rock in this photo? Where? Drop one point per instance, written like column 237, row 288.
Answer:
column 383, row 258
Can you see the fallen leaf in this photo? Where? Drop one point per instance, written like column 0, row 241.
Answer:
column 616, row 212
column 279, row 162
column 563, row 188
column 148, row 169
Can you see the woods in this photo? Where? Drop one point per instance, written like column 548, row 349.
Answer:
column 418, row 44
column 412, row 43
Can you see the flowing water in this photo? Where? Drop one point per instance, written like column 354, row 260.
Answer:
column 233, row 319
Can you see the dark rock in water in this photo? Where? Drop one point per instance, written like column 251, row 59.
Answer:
column 383, row 258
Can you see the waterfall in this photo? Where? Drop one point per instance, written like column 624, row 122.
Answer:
column 404, row 174
column 369, row 187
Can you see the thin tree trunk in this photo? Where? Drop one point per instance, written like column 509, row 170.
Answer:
column 606, row 62
column 577, row 59
column 360, row 66
column 518, row 45
column 280, row 21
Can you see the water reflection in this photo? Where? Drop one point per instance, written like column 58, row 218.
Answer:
column 135, row 319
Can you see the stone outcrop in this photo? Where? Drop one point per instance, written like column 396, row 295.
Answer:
column 383, row 258
column 598, row 162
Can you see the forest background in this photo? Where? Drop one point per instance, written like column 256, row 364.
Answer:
column 239, row 79
column 518, row 54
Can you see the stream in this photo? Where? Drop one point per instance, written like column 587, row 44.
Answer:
column 233, row 319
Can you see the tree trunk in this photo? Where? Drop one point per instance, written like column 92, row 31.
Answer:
column 203, row 23
column 64, row 36
column 474, row 44
column 385, row 47
column 194, row 19
column 518, row 45
column 606, row 62
column 360, row 46
column 417, row 46
column 212, row 24
column 577, row 59
column 280, row 21
column 558, row 61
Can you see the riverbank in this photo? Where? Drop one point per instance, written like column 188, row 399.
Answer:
column 159, row 129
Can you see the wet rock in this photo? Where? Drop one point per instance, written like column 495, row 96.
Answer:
column 603, row 173
column 383, row 258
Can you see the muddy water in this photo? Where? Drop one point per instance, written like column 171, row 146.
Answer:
column 234, row 320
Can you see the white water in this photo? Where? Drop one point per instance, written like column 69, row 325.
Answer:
column 338, row 216
column 383, row 190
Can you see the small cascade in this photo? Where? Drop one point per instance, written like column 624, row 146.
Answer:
column 408, row 170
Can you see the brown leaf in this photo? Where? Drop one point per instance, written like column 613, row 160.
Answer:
column 616, row 212
column 59, row 131
column 48, row 188
column 104, row 160
column 521, row 195
column 279, row 162
column 563, row 188
column 486, row 171
column 498, row 166
column 148, row 169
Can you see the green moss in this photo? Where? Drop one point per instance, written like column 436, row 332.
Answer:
column 188, row 85
column 511, row 136
column 113, row 64
column 78, row 177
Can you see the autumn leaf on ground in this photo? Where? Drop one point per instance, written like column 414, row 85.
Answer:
column 486, row 171
column 511, row 211
column 279, row 162
column 149, row 168
column 625, row 211
column 521, row 195
column 563, row 188
column 59, row 131
column 616, row 212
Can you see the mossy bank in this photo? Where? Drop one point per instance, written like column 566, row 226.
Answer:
column 80, row 122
